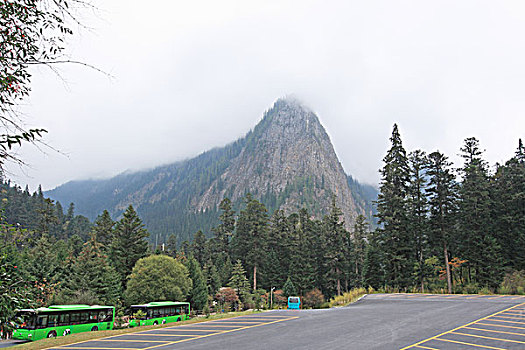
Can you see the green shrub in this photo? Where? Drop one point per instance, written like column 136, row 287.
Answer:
column 348, row 297
column 514, row 282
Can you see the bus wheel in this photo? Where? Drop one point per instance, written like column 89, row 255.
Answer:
column 178, row 319
column 94, row 329
column 155, row 323
column 163, row 321
column 52, row 334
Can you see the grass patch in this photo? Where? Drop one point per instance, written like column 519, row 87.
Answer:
column 79, row 337
column 347, row 298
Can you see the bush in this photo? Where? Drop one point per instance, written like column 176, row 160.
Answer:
column 313, row 299
column 513, row 283
column 348, row 297
column 471, row 288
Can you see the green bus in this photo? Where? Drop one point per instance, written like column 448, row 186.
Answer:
column 160, row 312
column 61, row 320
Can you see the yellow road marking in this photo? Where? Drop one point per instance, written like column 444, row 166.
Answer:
column 227, row 331
column 166, row 335
column 514, row 314
column 490, row 330
column 425, row 347
column 506, row 321
column 511, row 318
column 263, row 318
column 214, row 325
column 241, row 322
column 471, row 344
column 91, row 348
column 499, row 325
column 187, row 330
column 482, row 336
column 131, row 340
column 497, row 296
column 178, row 335
column 468, row 324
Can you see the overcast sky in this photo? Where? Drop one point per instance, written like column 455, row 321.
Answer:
column 193, row 75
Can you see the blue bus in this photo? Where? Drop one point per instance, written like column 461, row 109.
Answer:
column 294, row 303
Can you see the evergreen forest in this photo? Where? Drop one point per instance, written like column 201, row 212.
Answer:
column 442, row 228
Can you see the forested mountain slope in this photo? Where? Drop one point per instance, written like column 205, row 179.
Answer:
column 287, row 161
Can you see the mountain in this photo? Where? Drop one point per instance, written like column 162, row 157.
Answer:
column 287, row 161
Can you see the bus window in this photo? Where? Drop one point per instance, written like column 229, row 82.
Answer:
column 75, row 318
column 63, row 319
column 185, row 309
column 52, row 321
column 178, row 310
column 41, row 321
column 172, row 311
column 25, row 320
column 93, row 316
column 109, row 316
column 84, row 317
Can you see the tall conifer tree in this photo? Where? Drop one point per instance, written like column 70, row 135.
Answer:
column 392, row 214
column 480, row 246
column 442, row 192
column 129, row 244
column 251, row 236
column 418, row 209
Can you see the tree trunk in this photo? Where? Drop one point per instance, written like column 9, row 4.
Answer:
column 255, row 277
column 449, row 282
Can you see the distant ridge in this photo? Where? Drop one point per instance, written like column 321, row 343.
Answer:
column 287, row 162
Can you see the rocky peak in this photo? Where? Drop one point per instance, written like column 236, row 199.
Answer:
column 287, row 155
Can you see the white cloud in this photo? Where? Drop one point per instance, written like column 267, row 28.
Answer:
column 192, row 75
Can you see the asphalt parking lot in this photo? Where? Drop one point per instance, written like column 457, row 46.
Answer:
column 173, row 337
column 379, row 321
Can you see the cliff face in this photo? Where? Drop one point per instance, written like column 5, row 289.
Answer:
column 287, row 162
column 289, row 155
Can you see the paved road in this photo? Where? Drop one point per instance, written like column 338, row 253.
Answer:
column 379, row 321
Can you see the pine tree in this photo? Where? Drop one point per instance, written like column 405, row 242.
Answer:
column 198, row 247
column 198, row 295
column 360, row 235
column 442, row 191
column 213, row 279
column 278, row 248
column 373, row 267
column 289, row 288
column 301, row 248
column 224, row 231
column 238, row 281
column 392, row 215
column 103, row 229
column 418, row 209
column 475, row 209
column 172, row 245
column 47, row 217
column 251, row 235
column 129, row 244
column 92, row 273
column 508, row 215
column 334, row 235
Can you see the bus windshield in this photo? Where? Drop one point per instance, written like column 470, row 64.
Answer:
column 143, row 315
column 25, row 320
column 293, row 300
